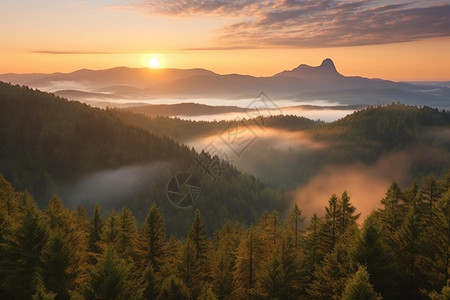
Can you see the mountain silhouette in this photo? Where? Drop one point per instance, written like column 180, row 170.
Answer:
column 326, row 70
column 303, row 83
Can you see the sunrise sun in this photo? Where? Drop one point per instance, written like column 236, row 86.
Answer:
column 154, row 63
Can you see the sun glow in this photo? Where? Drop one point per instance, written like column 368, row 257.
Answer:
column 154, row 63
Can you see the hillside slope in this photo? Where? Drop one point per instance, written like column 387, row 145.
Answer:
column 87, row 155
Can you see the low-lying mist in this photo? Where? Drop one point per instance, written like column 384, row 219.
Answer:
column 366, row 184
column 113, row 185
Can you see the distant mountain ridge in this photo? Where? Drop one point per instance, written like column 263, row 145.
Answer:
column 302, row 84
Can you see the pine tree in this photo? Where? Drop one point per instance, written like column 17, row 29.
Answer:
column 278, row 278
column 329, row 282
column 111, row 278
column 347, row 210
column 434, row 261
column 197, row 234
column 95, row 232
column 127, row 236
column 248, row 262
column 430, row 194
column 110, row 232
column 314, row 253
column 223, row 258
column 173, row 288
column 152, row 239
column 408, row 237
column 332, row 218
column 372, row 252
column 358, row 287
column 269, row 227
column 61, row 265
column 295, row 224
column 392, row 211
column 190, row 269
column 20, row 254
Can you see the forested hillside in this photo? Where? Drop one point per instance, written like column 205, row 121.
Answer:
column 401, row 251
column 52, row 145
column 418, row 135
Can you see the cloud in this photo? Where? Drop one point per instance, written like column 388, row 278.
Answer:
column 312, row 23
column 112, row 186
column 70, row 52
column 366, row 184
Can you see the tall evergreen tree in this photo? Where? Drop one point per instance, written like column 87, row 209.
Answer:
column 152, row 239
column 358, row 287
column 248, row 264
column 173, row 288
column 347, row 210
column 434, row 262
column 295, row 224
column 127, row 235
column 332, row 218
column 329, row 278
column 372, row 252
column 197, row 234
column 20, row 254
column 61, row 265
column 392, row 211
column 408, row 243
column 430, row 194
column 95, row 232
column 111, row 278
column 190, row 269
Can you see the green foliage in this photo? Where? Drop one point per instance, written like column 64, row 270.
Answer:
column 50, row 144
column 152, row 239
column 372, row 252
column 358, row 287
column 20, row 254
column 173, row 288
column 111, row 278
column 43, row 253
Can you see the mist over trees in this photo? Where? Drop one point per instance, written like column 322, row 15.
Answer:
column 400, row 251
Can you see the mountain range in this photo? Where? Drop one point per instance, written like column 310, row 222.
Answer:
column 303, row 84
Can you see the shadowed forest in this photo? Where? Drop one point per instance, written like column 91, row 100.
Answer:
column 400, row 251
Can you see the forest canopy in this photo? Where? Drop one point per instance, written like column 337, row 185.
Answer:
column 399, row 251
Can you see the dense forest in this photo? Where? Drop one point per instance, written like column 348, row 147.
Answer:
column 400, row 251
column 51, row 145
column 366, row 136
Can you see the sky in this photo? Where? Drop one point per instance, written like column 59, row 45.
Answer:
column 396, row 40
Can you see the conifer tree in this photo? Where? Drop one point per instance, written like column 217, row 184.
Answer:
column 127, row 235
column 197, row 234
column 434, row 262
column 430, row 194
column 332, row 218
column 295, row 224
column 392, row 211
column 372, row 252
column 190, row 269
column 408, row 243
column 347, row 210
column 61, row 265
column 111, row 229
column 358, row 287
column 329, row 282
column 20, row 254
column 173, row 288
column 248, row 262
column 95, row 232
column 111, row 278
column 152, row 239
